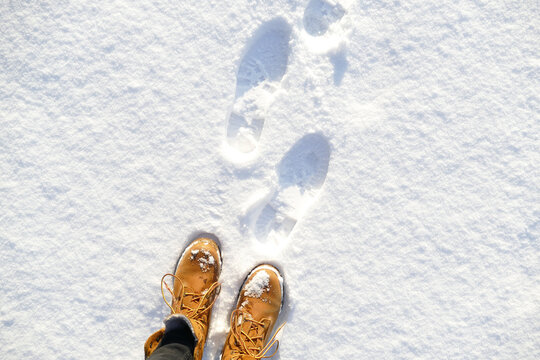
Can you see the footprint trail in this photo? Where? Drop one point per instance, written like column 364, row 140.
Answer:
column 301, row 174
column 258, row 78
column 320, row 14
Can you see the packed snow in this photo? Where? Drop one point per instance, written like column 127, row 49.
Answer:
column 382, row 154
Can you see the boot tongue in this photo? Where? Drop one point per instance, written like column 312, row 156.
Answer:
column 197, row 299
column 191, row 301
column 254, row 332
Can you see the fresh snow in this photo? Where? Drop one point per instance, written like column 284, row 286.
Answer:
column 382, row 154
column 257, row 285
column 204, row 260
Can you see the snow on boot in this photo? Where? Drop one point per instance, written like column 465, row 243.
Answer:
column 195, row 289
column 258, row 307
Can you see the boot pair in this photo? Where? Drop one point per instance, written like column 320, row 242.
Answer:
column 195, row 289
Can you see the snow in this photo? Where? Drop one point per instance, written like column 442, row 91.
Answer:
column 257, row 285
column 205, row 261
column 406, row 226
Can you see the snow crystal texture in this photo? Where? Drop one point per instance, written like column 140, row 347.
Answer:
column 383, row 154
column 256, row 286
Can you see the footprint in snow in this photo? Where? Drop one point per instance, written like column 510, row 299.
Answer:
column 320, row 14
column 301, row 174
column 258, row 78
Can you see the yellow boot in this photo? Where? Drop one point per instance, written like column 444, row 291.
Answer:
column 195, row 289
column 256, row 313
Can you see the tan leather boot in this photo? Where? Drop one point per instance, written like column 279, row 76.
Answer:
column 195, row 289
column 256, row 313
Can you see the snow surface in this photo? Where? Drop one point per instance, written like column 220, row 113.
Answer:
column 390, row 171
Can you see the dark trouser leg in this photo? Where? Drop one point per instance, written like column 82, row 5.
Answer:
column 172, row 352
column 178, row 342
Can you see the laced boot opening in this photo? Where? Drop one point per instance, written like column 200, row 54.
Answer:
column 248, row 337
column 195, row 306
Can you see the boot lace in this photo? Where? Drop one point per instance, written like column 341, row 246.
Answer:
column 202, row 301
column 250, row 343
